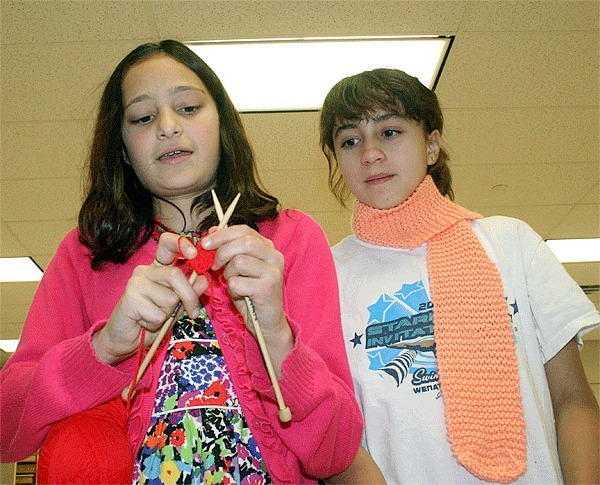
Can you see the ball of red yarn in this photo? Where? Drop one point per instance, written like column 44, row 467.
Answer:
column 91, row 447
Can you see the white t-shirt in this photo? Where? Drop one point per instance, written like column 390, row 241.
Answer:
column 387, row 316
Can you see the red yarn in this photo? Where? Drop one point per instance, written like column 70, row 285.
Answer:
column 200, row 264
column 91, row 447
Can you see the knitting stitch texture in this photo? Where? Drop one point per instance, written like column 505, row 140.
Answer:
column 477, row 363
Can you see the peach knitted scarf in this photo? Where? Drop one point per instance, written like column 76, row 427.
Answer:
column 477, row 363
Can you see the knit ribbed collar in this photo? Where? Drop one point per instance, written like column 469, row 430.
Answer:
column 408, row 225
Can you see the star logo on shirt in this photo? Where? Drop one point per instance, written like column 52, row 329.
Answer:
column 356, row 340
column 513, row 310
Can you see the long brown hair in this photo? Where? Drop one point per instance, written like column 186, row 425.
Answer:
column 115, row 219
column 360, row 96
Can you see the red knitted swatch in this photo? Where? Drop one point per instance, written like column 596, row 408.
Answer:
column 476, row 356
column 200, row 264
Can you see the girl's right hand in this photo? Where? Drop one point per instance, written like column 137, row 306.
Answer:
column 150, row 296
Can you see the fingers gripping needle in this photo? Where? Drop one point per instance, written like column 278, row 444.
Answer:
column 224, row 218
column 284, row 412
column 159, row 337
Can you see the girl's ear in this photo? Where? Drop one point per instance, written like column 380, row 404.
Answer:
column 433, row 147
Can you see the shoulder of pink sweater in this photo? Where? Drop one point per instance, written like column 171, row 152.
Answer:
column 73, row 245
column 79, row 253
column 286, row 224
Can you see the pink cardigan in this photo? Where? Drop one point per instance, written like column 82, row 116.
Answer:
column 54, row 373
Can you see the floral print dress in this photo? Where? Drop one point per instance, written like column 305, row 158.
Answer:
column 197, row 433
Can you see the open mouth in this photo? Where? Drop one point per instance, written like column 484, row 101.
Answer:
column 173, row 154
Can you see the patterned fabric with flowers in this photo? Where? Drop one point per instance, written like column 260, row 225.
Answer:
column 197, row 434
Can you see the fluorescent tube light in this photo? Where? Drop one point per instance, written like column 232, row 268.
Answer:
column 575, row 250
column 9, row 345
column 19, row 269
column 296, row 74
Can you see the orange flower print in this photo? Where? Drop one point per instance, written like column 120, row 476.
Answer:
column 156, row 441
column 158, row 438
column 160, row 427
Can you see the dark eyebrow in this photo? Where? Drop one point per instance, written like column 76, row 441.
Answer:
column 345, row 126
column 179, row 89
column 137, row 99
column 175, row 90
column 385, row 116
column 352, row 124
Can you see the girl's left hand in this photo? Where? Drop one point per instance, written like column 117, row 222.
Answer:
column 252, row 268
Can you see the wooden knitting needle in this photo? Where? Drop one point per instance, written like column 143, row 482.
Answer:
column 167, row 324
column 284, row 412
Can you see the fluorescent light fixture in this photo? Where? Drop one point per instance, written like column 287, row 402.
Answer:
column 296, row 74
column 575, row 250
column 19, row 269
column 9, row 345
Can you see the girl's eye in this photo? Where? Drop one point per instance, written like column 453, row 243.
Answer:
column 389, row 133
column 350, row 142
column 189, row 109
column 142, row 120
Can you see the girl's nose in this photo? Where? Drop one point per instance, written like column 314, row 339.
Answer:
column 168, row 125
column 371, row 154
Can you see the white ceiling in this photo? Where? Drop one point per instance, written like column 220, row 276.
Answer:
column 520, row 93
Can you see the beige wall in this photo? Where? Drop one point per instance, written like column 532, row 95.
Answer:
column 7, row 473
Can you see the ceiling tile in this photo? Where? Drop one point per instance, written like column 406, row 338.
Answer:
column 592, row 196
column 43, row 260
column 25, row 22
column 582, row 221
column 285, row 140
column 511, row 185
column 335, row 223
column 586, row 274
column 190, row 20
column 522, row 135
column 11, row 329
column 473, row 74
column 305, row 190
column 40, row 199
column 531, row 16
column 42, row 82
column 10, row 245
column 591, row 338
column 54, row 232
column 542, row 218
column 46, row 149
column 18, row 293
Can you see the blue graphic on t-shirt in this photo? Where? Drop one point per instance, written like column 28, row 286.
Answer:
column 399, row 335
column 399, row 338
